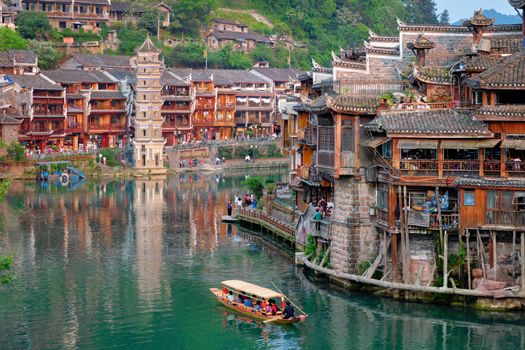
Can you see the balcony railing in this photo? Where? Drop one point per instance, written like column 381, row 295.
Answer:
column 510, row 218
column 461, row 167
column 227, row 105
column 184, row 108
column 492, row 168
column 419, row 167
column 448, row 221
column 515, row 168
column 324, row 228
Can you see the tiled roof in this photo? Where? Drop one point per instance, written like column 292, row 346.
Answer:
column 382, row 51
column 238, row 76
column 196, row 75
column 479, row 19
column 103, row 61
column 488, row 182
column 421, row 42
column 71, row 76
column 37, row 82
column 106, row 94
column 509, row 74
column 501, row 112
column 506, row 46
column 147, row 46
column 120, row 6
column 279, row 74
column 95, row 2
column 354, row 104
column 433, row 75
column 123, row 74
column 317, row 106
column 223, row 21
column 226, row 35
column 10, row 57
column 169, row 78
column 430, row 122
column 418, row 28
column 481, row 63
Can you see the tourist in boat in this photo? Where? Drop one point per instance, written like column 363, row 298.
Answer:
column 257, row 306
column 229, row 208
column 248, row 302
column 268, row 308
column 231, row 297
column 239, row 298
column 288, row 311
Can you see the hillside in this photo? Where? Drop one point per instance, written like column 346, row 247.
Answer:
column 500, row 17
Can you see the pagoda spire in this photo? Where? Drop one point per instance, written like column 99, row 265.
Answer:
column 420, row 48
column 477, row 25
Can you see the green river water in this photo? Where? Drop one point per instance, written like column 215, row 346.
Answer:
column 122, row 264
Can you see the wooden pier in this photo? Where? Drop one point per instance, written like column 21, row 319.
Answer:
column 279, row 229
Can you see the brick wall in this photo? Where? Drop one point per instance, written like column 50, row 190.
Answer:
column 353, row 238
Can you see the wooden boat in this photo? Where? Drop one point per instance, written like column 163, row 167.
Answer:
column 252, row 291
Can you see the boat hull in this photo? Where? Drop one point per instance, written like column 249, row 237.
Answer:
column 245, row 311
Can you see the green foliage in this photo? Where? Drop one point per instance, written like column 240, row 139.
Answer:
column 10, row 39
column 33, row 25
column 245, row 18
column 79, row 36
column 254, row 184
column 6, row 261
column 273, row 151
column 48, row 55
column 130, row 39
column 110, row 154
column 189, row 55
column 148, row 20
column 309, row 249
column 15, row 151
column 189, row 14
column 444, row 17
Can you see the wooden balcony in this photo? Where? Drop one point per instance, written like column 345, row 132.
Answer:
column 177, row 108
column 227, row 105
column 325, row 159
column 505, row 218
column 419, row 167
column 461, row 167
column 515, row 169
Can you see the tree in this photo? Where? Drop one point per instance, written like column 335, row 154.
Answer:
column 189, row 14
column 33, row 25
column 254, row 184
column 444, row 17
column 149, row 20
column 48, row 55
column 10, row 39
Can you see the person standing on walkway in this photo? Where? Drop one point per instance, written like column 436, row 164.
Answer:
column 229, row 208
column 318, row 216
column 254, row 203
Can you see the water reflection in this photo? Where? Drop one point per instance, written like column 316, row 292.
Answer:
column 129, row 263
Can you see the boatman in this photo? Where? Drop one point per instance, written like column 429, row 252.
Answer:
column 288, row 311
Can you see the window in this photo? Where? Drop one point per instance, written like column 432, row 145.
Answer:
column 144, row 97
column 62, row 25
column 326, row 138
column 468, row 198
column 347, row 140
column 144, row 132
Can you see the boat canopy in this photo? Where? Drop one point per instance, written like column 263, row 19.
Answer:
column 248, row 288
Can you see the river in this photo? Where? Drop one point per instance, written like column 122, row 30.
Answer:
column 129, row 263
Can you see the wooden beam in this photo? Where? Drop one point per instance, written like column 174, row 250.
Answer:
column 468, row 259
column 372, row 269
column 522, row 261
column 445, row 260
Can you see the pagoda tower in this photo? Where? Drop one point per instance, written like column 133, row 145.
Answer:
column 148, row 142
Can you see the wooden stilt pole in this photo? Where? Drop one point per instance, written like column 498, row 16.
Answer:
column 445, row 260
column 494, row 251
column 468, row 258
column 482, row 255
column 523, row 261
column 513, row 254
column 402, row 228
column 385, row 251
column 407, row 239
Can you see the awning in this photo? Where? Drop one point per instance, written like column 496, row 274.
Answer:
column 377, row 142
column 488, row 143
column 460, row 144
column 515, row 144
column 417, row 144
